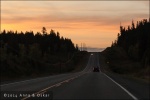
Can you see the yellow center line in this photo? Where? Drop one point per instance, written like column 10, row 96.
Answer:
column 55, row 85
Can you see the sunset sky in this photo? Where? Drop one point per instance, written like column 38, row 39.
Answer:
column 95, row 23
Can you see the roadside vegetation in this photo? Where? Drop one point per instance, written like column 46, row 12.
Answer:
column 129, row 54
column 36, row 54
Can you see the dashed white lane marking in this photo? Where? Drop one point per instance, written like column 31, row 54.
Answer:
column 135, row 98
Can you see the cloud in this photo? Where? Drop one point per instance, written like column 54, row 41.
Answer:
column 95, row 22
column 97, row 11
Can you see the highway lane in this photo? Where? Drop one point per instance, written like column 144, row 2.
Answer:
column 92, row 85
column 40, row 83
column 81, row 85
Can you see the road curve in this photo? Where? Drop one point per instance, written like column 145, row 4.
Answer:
column 81, row 85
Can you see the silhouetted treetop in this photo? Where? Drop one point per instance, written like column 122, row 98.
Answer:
column 135, row 40
column 47, row 42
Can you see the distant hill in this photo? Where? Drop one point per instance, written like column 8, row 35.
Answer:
column 90, row 49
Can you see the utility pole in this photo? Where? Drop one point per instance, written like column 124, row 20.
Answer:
column 81, row 46
column 85, row 47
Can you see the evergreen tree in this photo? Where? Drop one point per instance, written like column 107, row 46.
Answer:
column 135, row 40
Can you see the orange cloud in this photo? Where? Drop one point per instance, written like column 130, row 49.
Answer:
column 94, row 23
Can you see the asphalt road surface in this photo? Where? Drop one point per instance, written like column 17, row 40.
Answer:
column 81, row 85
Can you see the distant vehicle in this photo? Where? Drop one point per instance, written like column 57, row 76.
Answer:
column 95, row 69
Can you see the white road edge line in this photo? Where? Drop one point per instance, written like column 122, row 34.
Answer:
column 135, row 98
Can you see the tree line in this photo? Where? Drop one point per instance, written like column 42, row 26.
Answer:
column 27, row 53
column 51, row 42
column 135, row 40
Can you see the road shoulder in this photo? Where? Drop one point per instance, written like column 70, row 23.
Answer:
column 138, row 87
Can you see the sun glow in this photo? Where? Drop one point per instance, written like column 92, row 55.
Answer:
column 96, row 25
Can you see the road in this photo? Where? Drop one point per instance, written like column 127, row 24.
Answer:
column 80, row 85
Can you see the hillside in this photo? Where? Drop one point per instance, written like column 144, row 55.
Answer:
column 36, row 54
column 130, row 52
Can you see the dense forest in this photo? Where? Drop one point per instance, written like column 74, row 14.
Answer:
column 136, row 41
column 29, row 53
column 132, row 43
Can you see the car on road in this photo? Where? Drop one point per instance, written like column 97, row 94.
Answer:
column 95, row 69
